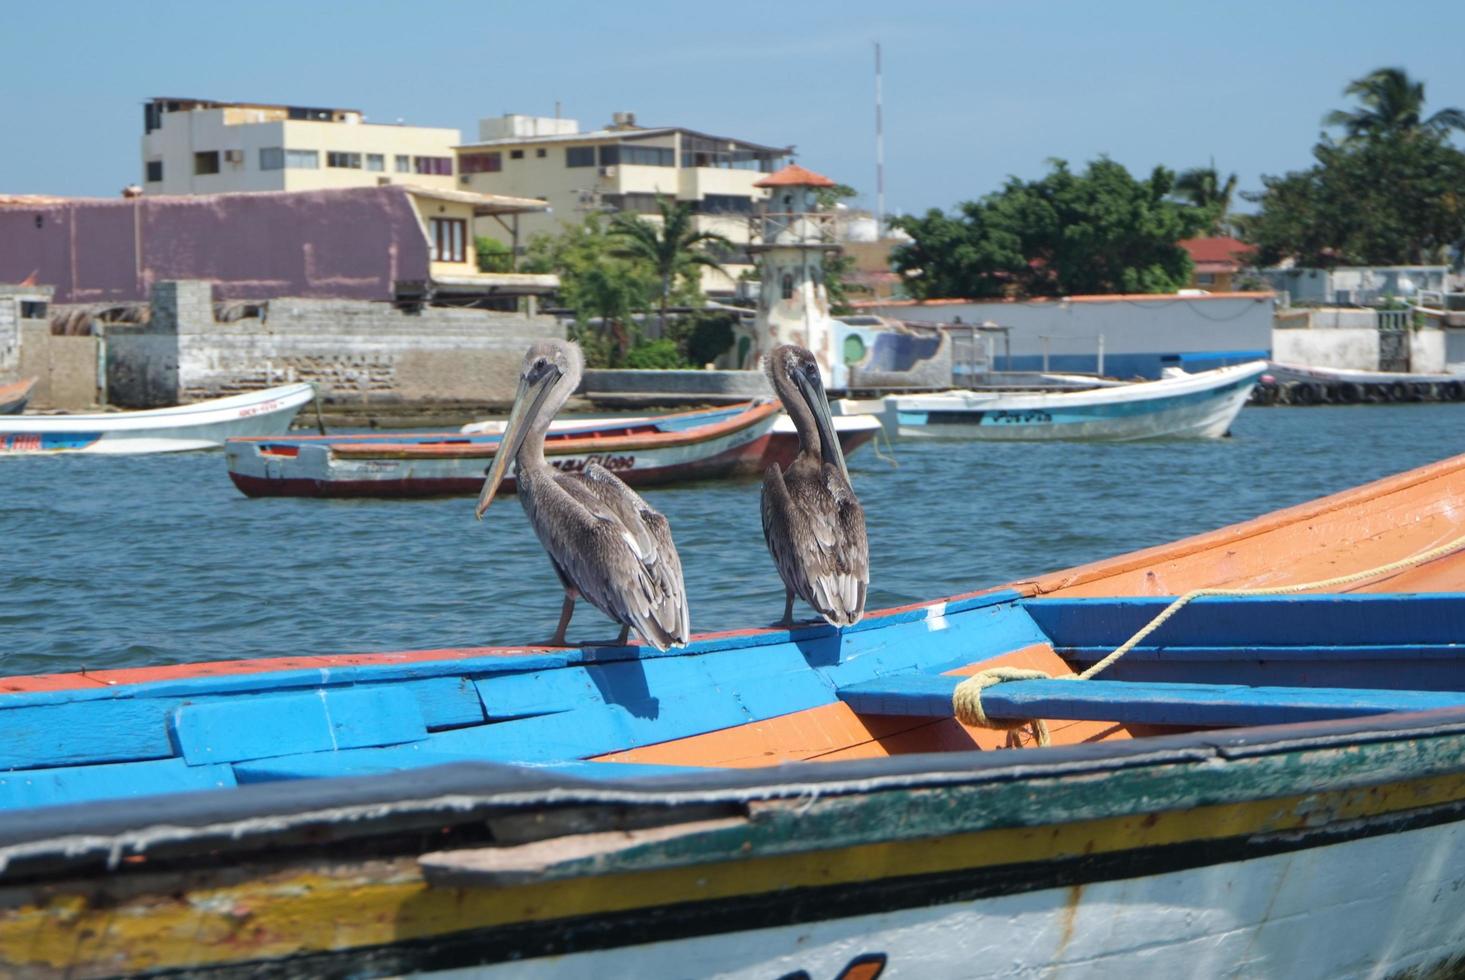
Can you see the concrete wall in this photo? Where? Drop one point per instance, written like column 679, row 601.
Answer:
column 65, row 368
column 1142, row 334
column 1356, row 348
column 357, row 352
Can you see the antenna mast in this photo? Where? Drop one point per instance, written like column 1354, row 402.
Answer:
column 879, row 151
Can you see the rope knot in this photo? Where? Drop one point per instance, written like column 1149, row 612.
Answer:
column 966, row 701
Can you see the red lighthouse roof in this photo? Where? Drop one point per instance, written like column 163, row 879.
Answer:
column 795, row 176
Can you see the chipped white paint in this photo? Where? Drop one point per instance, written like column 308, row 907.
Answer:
column 936, row 616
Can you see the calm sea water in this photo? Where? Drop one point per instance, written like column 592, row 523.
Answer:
column 158, row 559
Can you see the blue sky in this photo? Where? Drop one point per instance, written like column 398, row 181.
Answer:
column 974, row 91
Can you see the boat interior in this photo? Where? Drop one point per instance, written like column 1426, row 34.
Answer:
column 776, row 697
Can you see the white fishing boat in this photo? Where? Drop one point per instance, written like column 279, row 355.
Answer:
column 1180, row 405
column 201, row 425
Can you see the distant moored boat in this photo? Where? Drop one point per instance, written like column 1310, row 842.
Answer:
column 201, row 425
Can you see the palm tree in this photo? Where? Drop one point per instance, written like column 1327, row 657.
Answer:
column 1393, row 105
column 673, row 248
column 1203, row 188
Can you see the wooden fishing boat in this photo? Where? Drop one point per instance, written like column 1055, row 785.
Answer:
column 1180, row 405
column 1265, row 786
column 14, row 395
column 739, row 440
column 201, row 425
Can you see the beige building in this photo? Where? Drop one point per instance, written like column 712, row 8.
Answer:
column 195, row 146
column 623, row 167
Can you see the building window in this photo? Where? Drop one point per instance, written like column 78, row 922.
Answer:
column 155, row 171
column 302, row 159
column 635, row 202
column 403, row 164
column 448, row 237
column 788, row 286
column 32, row 309
column 649, row 156
column 376, row 161
column 724, row 204
column 481, row 163
column 518, row 154
column 441, row 166
column 343, row 161
column 1205, row 278
column 206, row 162
column 541, row 152
column 271, row 158
column 580, row 156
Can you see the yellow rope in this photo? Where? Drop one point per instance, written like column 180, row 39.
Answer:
column 966, row 700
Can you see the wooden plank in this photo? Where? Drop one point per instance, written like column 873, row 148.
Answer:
column 1300, row 621
column 76, row 784
column 541, row 860
column 260, row 727
column 74, row 734
column 1196, row 705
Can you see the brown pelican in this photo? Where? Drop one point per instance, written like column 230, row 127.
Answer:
column 606, row 543
column 812, row 521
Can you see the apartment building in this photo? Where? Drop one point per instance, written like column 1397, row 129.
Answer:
column 197, row 146
column 622, row 167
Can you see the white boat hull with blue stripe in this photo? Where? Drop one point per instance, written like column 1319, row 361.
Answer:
column 1180, row 406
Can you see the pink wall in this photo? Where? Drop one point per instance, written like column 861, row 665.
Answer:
column 349, row 243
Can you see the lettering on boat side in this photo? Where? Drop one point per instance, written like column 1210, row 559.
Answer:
column 610, row 462
column 268, row 406
column 1027, row 416
column 22, row 442
column 866, row 966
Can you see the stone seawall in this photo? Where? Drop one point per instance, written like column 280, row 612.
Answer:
column 359, row 353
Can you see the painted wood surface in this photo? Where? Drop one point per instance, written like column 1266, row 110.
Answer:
column 1192, row 705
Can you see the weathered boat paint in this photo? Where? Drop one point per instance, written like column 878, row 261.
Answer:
column 1271, row 839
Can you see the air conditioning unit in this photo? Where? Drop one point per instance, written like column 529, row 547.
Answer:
column 235, row 157
column 463, row 179
column 607, row 171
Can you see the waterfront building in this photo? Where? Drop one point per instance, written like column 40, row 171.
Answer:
column 411, row 245
column 622, row 167
column 199, row 146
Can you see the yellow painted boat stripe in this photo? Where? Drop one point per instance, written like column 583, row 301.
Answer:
column 372, row 903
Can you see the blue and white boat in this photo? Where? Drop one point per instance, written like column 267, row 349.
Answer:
column 1178, row 406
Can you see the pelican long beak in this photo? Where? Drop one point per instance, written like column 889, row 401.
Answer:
column 527, row 400
column 814, row 397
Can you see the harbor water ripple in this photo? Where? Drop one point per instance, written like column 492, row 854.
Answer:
column 113, row 562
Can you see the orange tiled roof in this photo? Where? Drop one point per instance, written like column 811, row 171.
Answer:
column 795, row 176
column 1222, row 248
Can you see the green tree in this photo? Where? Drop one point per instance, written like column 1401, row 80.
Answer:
column 596, row 282
column 1392, row 107
column 1202, row 187
column 1391, row 191
column 1384, row 201
column 1100, row 231
column 838, row 265
column 673, row 248
column 493, row 255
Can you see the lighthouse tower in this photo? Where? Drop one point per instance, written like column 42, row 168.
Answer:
column 793, row 238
